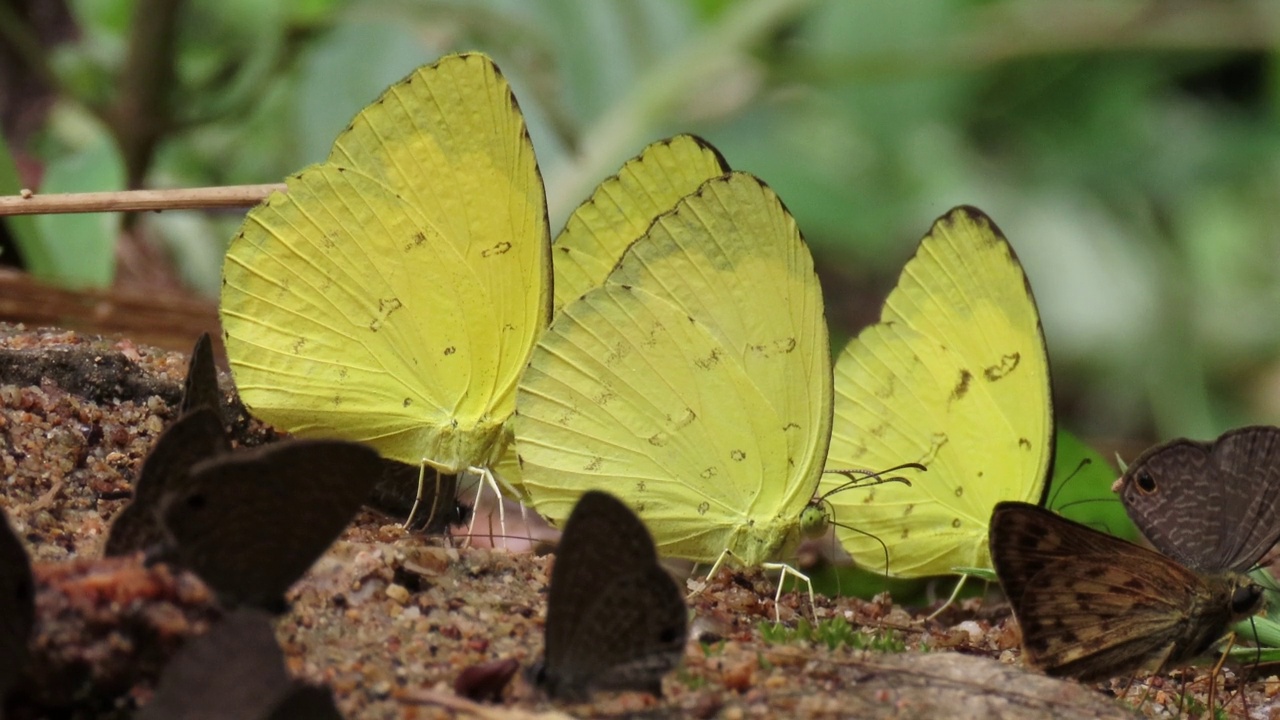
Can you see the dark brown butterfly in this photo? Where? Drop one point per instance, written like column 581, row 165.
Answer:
column 1092, row 606
column 1212, row 506
column 194, row 437
column 236, row 671
column 251, row 522
column 17, row 608
column 199, row 433
column 201, row 386
column 615, row 619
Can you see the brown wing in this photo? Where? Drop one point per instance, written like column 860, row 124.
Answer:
column 615, row 619
column 1091, row 605
column 17, row 607
column 196, row 436
column 234, row 670
column 1211, row 506
column 201, row 386
column 251, row 523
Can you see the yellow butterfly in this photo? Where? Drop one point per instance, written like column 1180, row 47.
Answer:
column 695, row 383
column 394, row 294
column 955, row 376
column 620, row 211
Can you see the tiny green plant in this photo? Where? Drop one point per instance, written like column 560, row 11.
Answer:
column 690, row 680
column 711, row 649
column 834, row 633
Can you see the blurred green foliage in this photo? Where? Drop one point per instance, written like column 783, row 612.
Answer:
column 1128, row 148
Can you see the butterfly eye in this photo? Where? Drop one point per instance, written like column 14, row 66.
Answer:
column 196, row 501
column 1146, row 483
column 1245, row 599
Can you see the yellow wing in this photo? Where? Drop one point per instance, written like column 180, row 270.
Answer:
column 695, row 383
column 956, row 377
column 619, row 211
column 395, row 292
column 622, row 208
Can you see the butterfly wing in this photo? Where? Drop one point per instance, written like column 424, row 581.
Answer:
column 615, row 619
column 251, row 523
column 201, row 386
column 695, row 384
column 394, row 293
column 313, row 702
column 234, row 670
column 955, row 376
column 1211, row 506
column 621, row 209
column 196, row 436
column 17, row 607
column 1092, row 606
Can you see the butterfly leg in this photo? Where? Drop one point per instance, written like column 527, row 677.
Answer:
column 715, row 567
column 417, row 500
column 1226, row 643
column 506, row 489
column 487, row 480
column 786, row 570
column 955, row 593
column 782, row 567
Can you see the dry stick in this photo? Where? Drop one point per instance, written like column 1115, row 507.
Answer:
column 233, row 196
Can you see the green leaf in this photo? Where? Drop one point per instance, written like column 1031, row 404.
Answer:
column 1080, row 489
column 78, row 250
column 347, row 70
column 21, row 227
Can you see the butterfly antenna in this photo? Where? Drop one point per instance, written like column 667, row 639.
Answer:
column 1083, row 501
column 1080, row 466
column 883, row 547
column 861, row 478
column 1099, row 526
column 1120, row 463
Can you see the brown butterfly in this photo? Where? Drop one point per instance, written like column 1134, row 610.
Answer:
column 196, row 436
column 615, row 619
column 236, row 670
column 251, row 522
column 199, row 433
column 1212, row 506
column 1092, row 606
column 17, row 609
column 201, row 386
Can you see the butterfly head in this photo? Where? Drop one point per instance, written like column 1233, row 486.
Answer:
column 1247, row 597
column 815, row 519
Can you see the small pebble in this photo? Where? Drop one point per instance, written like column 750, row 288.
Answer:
column 399, row 593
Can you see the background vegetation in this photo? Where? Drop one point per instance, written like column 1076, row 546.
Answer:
column 1129, row 149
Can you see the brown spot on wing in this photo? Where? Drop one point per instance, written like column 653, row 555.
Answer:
column 1008, row 363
